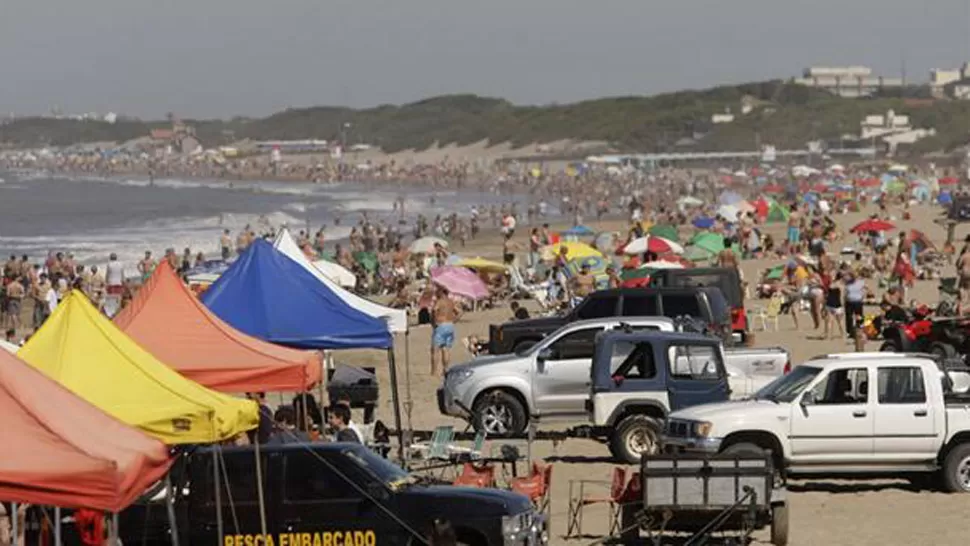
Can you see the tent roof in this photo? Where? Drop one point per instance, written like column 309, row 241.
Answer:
column 270, row 296
column 170, row 322
column 397, row 319
column 84, row 351
column 60, row 450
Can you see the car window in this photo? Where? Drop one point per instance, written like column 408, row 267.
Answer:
column 849, row 386
column 307, row 478
column 677, row 305
column 638, row 364
column 598, row 307
column 901, row 386
column 639, row 305
column 575, row 344
column 694, row 362
column 241, row 477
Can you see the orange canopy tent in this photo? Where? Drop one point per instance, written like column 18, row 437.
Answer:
column 168, row 321
column 60, row 450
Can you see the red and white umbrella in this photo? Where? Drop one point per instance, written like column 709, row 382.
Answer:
column 652, row 243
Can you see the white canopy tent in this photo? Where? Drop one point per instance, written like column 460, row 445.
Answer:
column 397, row 319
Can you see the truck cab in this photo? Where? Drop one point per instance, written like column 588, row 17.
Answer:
column 857, row 414
column 334, row 493
column 726, row 279
column 638, row 378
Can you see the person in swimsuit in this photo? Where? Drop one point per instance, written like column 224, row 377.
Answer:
column 443, row 315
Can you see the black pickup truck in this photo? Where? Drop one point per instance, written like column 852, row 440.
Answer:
column 706, row 304
column 325, row 494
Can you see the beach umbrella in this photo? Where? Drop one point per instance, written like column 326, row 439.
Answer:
column 635, row 277
column 367, row 260
column 945, row 198
column 481, row 264
column 728, row 212
column 775, row 273
column 776, row 213
column 689, row 201
column 703, row 222
column 773, row 188
column 898, row 169
column 761, row 208
column 948, row 181
column 460, row 281
column 579, row 231
column 872, row 224
column 574, row 250
column 657, row 265
column 698, row 254
column 652, row 243
column 596, row 264
column 425, row 245
column 605, row 242
column 868, row 183
column 711, row 242
column 666, row 231
column 730, row 198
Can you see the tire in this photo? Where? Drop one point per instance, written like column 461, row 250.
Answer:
column 743, row 448
column 890, row 346
column 498, row 413
column 779, row 524
column 944, row 350
column 633, row 437
column 956, row 469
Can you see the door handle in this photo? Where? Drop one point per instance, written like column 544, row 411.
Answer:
column 859, row 413
column 920, row 413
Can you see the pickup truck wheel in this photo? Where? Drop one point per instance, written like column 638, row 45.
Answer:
column 633, row 437
column 498, row 413
column 779, row 524
column 943, row 350
column 956, row 469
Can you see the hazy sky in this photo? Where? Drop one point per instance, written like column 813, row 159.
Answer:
column 218, row 58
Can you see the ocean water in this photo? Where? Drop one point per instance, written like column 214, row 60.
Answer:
column 92, row 217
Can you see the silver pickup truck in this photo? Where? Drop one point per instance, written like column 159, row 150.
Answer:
column 500, row 394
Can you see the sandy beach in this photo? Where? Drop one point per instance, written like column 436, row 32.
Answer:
column 829, row 512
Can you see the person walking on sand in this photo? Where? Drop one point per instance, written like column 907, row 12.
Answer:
column 443, row 316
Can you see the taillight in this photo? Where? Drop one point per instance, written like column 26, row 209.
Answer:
column 787, row 367
column 735, row 313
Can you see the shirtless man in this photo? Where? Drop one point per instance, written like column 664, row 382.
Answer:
column 584, row 283
column 963, row 271
column 443, row 316
column 794, row 226
column 15, row 298
column 146, row 266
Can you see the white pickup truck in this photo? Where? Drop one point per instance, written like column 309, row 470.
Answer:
column 849, row 415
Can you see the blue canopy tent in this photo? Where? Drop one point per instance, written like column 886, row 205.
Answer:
column 269, row 296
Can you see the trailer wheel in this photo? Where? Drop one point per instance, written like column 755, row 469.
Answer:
column 956, row 469
column 944, row 350
column 633, row 437
column 890, row 346
column 779, row 524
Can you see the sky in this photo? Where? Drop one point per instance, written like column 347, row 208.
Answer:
column 221, row 58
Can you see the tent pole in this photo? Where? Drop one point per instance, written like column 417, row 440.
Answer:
column 57, row 526
column 115, row 538
column 397, row 408
column 408, row 401
column 217, row 480
column 170, row 508
column 259, row 491
column 14, row 521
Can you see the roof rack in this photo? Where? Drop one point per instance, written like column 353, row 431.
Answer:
column 873, row 354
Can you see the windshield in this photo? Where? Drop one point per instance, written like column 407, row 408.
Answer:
column 382, row 469
column 787, row 387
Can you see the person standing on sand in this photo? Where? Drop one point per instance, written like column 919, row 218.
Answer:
column 963, row 272
column 794, row 226
column 146, row 266
column 225, row 244
column 443, row 316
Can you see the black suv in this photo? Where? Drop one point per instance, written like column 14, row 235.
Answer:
column 327, row 493
column 706, row 304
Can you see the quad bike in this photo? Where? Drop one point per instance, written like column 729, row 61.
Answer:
column 909, row 332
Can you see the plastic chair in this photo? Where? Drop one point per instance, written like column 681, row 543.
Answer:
column 577, row 504
column 770, row 313
column 476, row 476
column 438, row 447
column 472, row 453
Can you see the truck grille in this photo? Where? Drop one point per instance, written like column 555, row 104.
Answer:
column 677, row 429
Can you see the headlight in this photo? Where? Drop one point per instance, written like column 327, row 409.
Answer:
column 458, row 377
column 512, row 525
column 702, row 429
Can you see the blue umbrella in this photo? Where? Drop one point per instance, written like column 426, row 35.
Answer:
column 580, row 231
column 703, row 222
column 945, row 198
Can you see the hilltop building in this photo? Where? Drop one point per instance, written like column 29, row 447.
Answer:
column 847, row 81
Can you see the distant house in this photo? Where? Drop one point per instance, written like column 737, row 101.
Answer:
column 959, row 89
column 162, row 134
column 847, row 81
column 943, row 81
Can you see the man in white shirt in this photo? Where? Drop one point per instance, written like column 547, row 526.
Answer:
column 115, row 276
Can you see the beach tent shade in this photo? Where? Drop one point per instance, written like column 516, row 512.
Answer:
column 666, row 231
column 579, row 231
column 573, row 250
column 703, row 222
column 425, row 245
column 62, row 451
column 9, row 347
column 269, row 296
column 165, row 318
column 81, row 349
column 396, row 319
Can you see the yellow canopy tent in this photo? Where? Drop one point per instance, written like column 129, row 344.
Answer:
column 481, row 264
column 81, row 349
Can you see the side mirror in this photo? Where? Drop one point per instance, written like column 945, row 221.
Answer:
column 546, row 353
column 808, row 399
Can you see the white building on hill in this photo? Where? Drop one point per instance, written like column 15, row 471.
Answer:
column 847, row 81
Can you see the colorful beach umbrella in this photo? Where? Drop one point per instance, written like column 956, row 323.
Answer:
column 703, row 222
column 460, row 281
column 872, row 224
column 425, row 245
column 666, row 231
column 652, row 243
column 574, row 249
column 481, row 264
